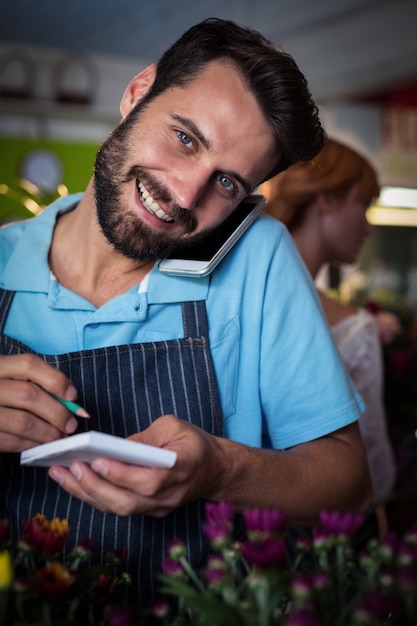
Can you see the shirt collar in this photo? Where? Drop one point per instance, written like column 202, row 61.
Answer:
column 21, row 273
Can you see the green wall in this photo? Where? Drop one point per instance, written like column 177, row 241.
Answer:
column 77, row 161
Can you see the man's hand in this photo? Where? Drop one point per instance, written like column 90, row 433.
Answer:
column 28, row 414
column 327, row 473
column 124, row 489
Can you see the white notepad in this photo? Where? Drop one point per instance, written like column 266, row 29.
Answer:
column 88, row 446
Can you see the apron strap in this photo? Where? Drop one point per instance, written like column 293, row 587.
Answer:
column 194, row 316
column 6, row 298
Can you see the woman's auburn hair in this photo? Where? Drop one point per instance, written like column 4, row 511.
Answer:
column 335, row 170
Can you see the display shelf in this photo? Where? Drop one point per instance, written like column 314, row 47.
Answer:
column 48, row 109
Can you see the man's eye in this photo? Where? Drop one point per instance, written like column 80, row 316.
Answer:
column 225, row 182
column 184, row 138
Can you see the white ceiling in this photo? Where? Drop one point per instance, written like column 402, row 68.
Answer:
column 343, row 46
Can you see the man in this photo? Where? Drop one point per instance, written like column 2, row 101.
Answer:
column 223, row 369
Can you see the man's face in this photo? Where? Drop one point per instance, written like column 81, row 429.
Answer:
column 181, row 164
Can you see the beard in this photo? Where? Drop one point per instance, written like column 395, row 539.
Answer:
column 124, row 229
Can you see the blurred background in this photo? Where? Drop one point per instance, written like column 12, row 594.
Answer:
column 65, row 64
column 64, row 67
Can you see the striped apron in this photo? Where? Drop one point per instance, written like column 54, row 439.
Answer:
column 124, row 388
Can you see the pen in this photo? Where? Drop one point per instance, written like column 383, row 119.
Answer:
column 73, row 407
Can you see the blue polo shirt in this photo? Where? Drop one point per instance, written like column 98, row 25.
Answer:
column 281, row 380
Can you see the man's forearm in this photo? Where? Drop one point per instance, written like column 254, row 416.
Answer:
column 330, row 473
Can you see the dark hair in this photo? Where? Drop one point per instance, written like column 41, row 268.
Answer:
column 271, row 75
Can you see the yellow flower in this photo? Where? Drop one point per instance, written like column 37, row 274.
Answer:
column 6, row 569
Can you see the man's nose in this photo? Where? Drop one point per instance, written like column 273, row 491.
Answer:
column 188, row 186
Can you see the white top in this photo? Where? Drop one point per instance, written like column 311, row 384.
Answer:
column 357, row 338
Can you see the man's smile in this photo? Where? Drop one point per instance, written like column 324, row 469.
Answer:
column 152, row 206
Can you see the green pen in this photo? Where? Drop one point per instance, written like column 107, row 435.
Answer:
column 73, row 407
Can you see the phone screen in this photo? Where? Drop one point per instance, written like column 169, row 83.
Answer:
column 204, row 256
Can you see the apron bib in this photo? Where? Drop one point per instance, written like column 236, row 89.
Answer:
column 124, row 388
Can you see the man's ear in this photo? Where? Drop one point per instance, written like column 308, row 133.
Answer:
column 137, row 88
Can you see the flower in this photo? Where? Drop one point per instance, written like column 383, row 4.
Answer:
column 265, row 554
column 6, row 570
column 219, row 524
column 53, row 579
column 118, row 616
column 327, row 583
column 39, row 587
column 44, row 535
column 265, row 523
column 4, row 533
column 341, row 524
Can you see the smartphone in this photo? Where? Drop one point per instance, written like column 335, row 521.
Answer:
column 201, row 259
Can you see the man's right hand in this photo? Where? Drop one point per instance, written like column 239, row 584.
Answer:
column 28, row 414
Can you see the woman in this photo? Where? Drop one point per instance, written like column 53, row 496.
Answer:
column 323, row 203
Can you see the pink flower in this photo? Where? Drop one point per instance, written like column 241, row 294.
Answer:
column 173, row 568
column 161, row 609
column 118, row 616
column 267, row 522
column 322, row 580
column 302, row 586
column 266, row 554
column 376, row 607
column 341, row 524
column 298, row 617
column 389, row 545
column 177, row 550
column 407, row 553
column 219, row 525
column 216, row 571
column 220, row 513
column 407, row 578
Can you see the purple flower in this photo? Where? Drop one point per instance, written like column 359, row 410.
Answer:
column 322, row 580
column 173, row 568
column 161, row 609
column 341, row 524
column 177, row 550
column 266, row 554
column 407, row 553
column 378, row 606
column 215, row 577
column 302, row 618
column 411, row 534
column 262, row 523
column 389, row 545
column 118, row 616
column 322, row 539
column 221, row 513
column 303, row 543
column 302, row 586
column 219, row 525
column 216, row 571
column 407, row 578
